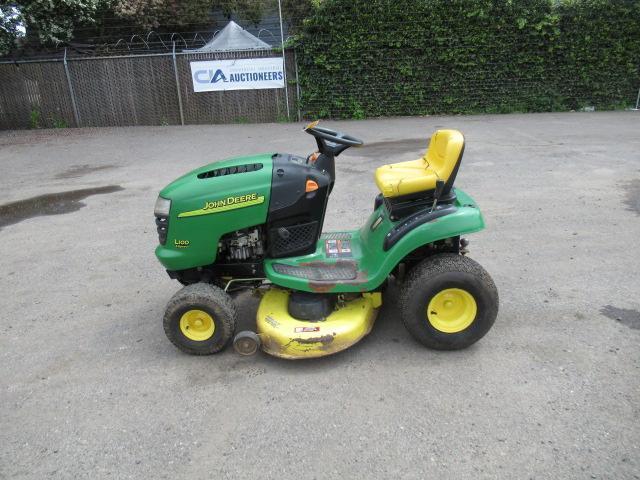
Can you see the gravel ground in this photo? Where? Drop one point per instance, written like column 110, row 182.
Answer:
column 91, row 388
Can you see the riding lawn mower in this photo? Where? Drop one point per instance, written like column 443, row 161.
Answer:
column 255, row 222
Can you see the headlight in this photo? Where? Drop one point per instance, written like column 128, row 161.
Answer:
column 161, row 211
column 162, row 207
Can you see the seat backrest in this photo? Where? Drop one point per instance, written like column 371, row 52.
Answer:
column 445, row 154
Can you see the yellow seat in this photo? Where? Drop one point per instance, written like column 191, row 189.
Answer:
column 440, row 161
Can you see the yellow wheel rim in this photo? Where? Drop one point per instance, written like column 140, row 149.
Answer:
column 197, row 325
column 452, row 310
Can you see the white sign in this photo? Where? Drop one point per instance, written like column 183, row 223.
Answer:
column 240, row 74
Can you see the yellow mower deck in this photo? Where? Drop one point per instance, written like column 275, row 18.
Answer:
column 283, row 336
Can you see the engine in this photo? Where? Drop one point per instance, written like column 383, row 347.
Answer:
column 242, row 245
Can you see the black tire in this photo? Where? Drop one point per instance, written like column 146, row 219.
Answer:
column 210, row 299
column 438, row 273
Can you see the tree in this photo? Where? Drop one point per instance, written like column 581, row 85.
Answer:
column 251, row 10
column 10, row 22
column 157, row 13
column 54, row 21
column 154, row 14
column 294, row 11
column 45, row 22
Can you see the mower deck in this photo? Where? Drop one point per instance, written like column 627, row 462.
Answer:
column 283, row 336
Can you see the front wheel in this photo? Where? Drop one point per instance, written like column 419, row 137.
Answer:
column 200, row 319
column 448, row 302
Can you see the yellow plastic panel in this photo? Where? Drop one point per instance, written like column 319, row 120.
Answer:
column 286, row 337
column 414, row 176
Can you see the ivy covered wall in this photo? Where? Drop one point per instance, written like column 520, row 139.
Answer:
column 362, row 58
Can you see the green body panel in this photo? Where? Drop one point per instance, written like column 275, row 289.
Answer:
column 204, row 209
column 193, row 238
column 374, row 264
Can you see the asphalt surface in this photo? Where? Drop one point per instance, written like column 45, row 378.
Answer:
column 91, row 388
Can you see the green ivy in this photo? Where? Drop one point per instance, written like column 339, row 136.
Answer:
column 34, row 118
column 363, row 58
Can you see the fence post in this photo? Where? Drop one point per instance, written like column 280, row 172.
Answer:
column 175, row 71
column 73, row 96
column 295, row 63
column 284, row 61
column 638, row 101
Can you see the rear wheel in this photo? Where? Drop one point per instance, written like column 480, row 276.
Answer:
column 448, row 302
column 200, row 319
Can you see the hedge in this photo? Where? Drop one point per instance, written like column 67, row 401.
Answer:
column 362, row 58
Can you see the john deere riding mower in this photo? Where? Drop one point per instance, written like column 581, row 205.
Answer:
column 255, row 223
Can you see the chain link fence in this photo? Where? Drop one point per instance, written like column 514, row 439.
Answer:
column 34, row 95
column 152, row 89
column 352, row 59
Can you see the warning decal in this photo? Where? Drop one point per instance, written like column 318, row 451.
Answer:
column 306, row 329
column 338, row 248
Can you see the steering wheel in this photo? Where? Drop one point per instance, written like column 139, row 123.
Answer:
column 332, row 135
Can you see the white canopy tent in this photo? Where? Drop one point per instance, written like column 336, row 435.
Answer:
column 233, row 38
